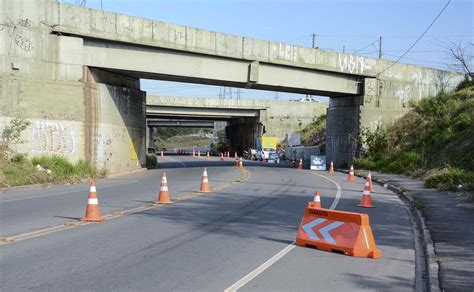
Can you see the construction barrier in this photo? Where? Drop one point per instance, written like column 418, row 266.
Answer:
column 337, row 231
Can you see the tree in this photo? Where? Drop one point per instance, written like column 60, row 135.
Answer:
column 11, row 135
column 461, row 56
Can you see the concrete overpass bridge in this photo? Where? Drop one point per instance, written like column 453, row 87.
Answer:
column 74, row 72
column 246, row 119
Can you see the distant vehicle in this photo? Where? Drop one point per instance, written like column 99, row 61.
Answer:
column 151, row 150
column 264, row 154
column 308, row 99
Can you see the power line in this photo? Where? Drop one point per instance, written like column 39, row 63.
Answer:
column 418, row 39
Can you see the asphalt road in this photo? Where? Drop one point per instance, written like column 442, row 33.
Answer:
column 208, row 242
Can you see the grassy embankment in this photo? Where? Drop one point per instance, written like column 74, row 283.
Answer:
column 21, row 171
column 434, row 141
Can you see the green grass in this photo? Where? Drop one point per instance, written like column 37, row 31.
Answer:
column 436, row 136
column 314, row 133
column 21, row 171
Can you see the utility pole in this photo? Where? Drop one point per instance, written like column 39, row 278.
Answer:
column 343, row 49
column 314, row 41
column 380, row 47
column 101, row 5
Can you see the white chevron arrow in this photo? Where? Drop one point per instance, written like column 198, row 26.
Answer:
column 308, row 228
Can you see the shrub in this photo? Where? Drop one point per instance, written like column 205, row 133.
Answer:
column 151, row 161
column 452, row 179
column 63, row 170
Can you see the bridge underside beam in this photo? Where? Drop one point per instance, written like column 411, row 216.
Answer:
column 164, row 64
column 207, row 113
column 180, row 123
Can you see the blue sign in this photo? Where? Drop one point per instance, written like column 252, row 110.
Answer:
column 318, row 162
column 272, row 157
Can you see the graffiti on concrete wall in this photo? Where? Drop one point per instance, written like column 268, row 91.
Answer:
column 19, row 33
column 104, row 151
column 53, row 137
column 354, row 64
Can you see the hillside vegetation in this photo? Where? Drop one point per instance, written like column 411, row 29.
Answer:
column 435, row 141
column 314, row 133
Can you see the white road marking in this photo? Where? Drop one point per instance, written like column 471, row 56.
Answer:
column 260, row 269
column 68, row 192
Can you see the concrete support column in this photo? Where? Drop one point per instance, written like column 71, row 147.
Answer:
column 343, row 123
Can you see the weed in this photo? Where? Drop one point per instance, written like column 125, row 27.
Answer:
column 151, row 161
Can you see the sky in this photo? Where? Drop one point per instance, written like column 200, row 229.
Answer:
column 355, row 24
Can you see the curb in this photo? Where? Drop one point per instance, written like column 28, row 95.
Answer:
column 431, row 262
column 430, row 259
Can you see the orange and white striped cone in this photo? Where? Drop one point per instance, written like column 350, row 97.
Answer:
column 163, row 196
column 161, row 154
column 93, row 209
column 366, row 200
column 205, row 182
column 300, row 165
column 235, row 155
column 241, row 163
column 331, row 168
column 369, row 179
column 199, row 153
column 208, row 157
column 351, row 176
column 228, row 154
column 316, row 202
column 194, row 153
column 222, row 157
column 237, row 162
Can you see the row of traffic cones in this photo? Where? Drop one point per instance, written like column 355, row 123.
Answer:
column 365, row 202
column 93, row 209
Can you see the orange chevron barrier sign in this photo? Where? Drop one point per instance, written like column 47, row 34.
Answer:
column 337, row 231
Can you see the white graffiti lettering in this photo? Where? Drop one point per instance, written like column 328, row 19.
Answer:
column 53, row 137
column 354, row 64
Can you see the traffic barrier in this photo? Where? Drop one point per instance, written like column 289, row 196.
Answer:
column 241, row 163
column 316, row 203
column 222, row 157
column 300, row 165
column 205, row 182
column 369, row 179
column 351, row 176
column 337, row 231
column 93, row 209
column 366, row 200
column 163, row 196
column 331, row 168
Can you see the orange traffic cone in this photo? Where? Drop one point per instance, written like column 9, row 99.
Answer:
column 241, row 163
column 222, row 157
column 92, row 210
column 316, row 202
column 228, row 154
column 235, row 154
column 164, row 196
column 237, row 162
column 331, row 168
column 366, row 201
column 369, row 179
column 208, row 155
column 351, row 176
column 300, row 165
column 205, row 182
column 194, row 153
